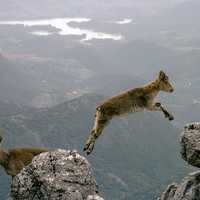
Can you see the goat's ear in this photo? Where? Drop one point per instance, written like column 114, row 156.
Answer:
column 162, row 75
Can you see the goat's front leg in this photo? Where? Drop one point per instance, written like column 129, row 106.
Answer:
column 159, row 107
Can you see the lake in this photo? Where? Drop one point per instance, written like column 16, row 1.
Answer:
column 64, row 28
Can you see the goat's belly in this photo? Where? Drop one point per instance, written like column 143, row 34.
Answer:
column 131, row 109
column 136, row 109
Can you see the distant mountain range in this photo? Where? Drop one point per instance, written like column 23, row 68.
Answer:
column 133, row 157
column 35, row 77
column 39, row 81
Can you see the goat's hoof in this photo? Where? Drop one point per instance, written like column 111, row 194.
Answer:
column 86, row 147
column 90, row 149
column 167, row 116
column 88, row 153
column 171, row 118
column 157, row 104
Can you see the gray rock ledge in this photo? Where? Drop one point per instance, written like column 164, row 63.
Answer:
column 190, row 144
column 188, row 189
column 56, row 175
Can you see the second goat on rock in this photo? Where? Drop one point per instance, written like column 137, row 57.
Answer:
column 16, row 159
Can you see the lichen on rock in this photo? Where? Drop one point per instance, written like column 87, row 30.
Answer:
column 59, row 174
column 189, row 188
column 190, row 144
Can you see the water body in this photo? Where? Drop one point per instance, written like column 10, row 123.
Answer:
column 124, row 21
column 41, row 33
column 62, row 24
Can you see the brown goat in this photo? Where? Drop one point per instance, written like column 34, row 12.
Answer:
column 134, row 100
column 16, row 159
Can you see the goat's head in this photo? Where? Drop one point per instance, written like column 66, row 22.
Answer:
column 164, row 84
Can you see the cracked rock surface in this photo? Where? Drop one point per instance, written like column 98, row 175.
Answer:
column 189, row 188
column 190, row 144
column 56, row 175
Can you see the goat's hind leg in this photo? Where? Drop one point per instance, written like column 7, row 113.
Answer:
column 99, row 125
column 91, row 139
column 89, row 145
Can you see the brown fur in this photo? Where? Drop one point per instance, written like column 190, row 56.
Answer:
column 16, row 159
column 133, row 100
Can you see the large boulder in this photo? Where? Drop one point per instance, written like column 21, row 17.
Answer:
column 190, row 144
column 188, row 189
column 56, row 175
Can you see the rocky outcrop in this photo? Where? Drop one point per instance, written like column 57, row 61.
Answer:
column 189, row 188
column 190, row 144
column 56, row 175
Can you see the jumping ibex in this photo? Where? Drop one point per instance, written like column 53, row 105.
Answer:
column 134, row 100
column 16, row 159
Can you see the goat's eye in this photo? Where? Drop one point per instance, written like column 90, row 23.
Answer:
column 166, row 79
